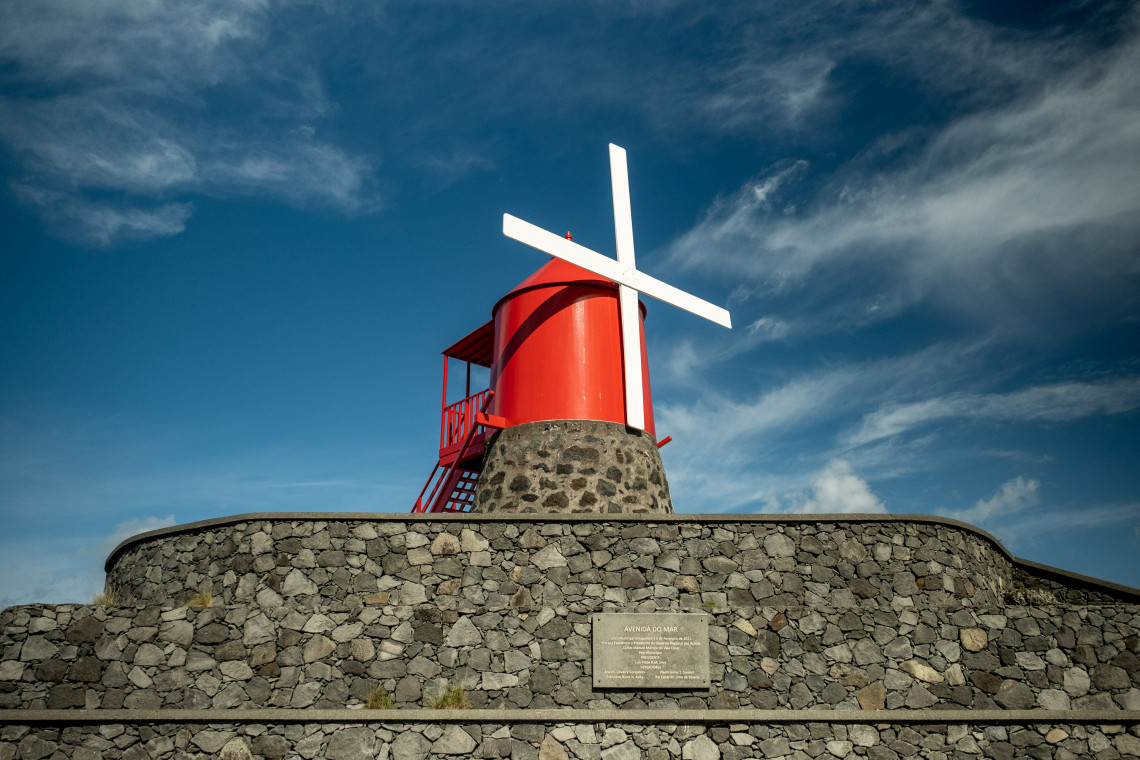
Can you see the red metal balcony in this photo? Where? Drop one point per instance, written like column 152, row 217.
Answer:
column 462, row 431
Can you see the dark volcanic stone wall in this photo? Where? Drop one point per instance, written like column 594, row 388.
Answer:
column 572, row 467
column 881, row 626
column 589, row 741
column 244, row 657
column 836, row 615
column 1038, row 585
column 678, row 563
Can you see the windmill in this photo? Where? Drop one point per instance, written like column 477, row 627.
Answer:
column 565, row 344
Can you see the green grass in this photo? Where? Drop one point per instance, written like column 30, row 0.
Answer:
column 378, row 699
column 454, row 698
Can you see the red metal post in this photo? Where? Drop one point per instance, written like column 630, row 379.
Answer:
column 442, row 426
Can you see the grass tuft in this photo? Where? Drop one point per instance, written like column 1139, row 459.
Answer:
column 455, row 698
column 106, row 599
column 378, row 699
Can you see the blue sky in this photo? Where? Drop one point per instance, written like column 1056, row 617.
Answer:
column 238, row 234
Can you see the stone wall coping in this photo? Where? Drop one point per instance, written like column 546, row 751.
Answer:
column 406, row 716
column 570, row 519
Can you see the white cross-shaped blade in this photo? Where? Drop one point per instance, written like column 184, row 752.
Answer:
column 624, row 272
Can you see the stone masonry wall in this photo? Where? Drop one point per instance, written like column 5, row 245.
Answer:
column 718, row 562
column 572, row 467
column 1029, row 585
column 74, row 657
column 78, row 656
column 831, row 615
column 589, row 741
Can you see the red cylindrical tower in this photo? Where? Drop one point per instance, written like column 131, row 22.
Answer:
column 558, row 350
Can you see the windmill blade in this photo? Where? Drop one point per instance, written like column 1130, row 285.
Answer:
column 631, row 357
column 662, row 291
column 556, row 245
column 623, row 214
column 604, row 266
column 627, row 296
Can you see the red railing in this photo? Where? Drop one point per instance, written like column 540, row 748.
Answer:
column 459, row 419
column 421, row 504
column 442, row 500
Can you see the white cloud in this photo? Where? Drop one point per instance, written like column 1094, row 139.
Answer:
column 1059, row 402
column 769, row 328
column 63, row 567
column 104, row 224
column 1015, row 514
column 450, row 167
column 1024, row 529
column 112, row 128
column 751, row 447
column 138, row 40
column 295, row 170
column 717, row 423
column 837, row 489
column 988, row 219
column 751, row 88
column 132, row 527
column 1013, row 496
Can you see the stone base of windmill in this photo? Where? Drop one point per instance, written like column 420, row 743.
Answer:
column 569, row 466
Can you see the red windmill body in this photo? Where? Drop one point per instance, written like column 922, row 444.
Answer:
column 558, row 350
column 554, row 351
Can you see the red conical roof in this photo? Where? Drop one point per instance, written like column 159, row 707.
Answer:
column 559, row 272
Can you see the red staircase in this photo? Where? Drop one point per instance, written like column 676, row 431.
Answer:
column 452, row 490
column 462, row 433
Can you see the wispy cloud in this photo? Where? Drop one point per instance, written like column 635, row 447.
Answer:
column 451, row 167
column 1060, row 521
column 1024, row 529
column 789, row 89
column 1059, row 402
column 985, row 220
column 1013, row 496
column 1019, row 516
column 103, row 223
column 131, row 527
column 757, row 447
column 719, row 422
column 108, row 114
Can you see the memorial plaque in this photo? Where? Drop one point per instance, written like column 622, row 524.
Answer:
column 654, row 650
